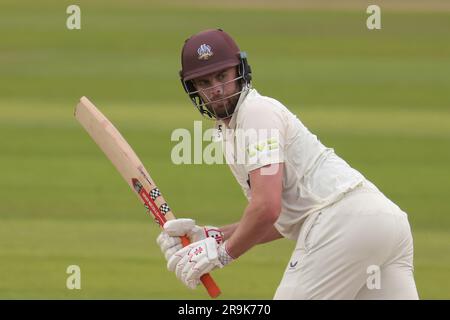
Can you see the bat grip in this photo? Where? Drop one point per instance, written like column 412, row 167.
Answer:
column 206, row 279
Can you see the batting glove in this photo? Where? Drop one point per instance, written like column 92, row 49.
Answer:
column 198, row 258
column 169, row 240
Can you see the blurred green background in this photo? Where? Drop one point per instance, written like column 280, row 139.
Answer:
column 380, row 98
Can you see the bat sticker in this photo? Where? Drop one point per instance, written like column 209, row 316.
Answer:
column 149, row 204
column 155, row 193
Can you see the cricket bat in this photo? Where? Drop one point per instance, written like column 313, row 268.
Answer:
column 115, row 147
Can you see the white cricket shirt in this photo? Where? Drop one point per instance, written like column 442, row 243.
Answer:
column 263, row 131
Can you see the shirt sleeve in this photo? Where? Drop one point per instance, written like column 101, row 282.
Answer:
column 262, row 135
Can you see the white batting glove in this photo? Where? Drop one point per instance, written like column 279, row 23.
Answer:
column 198, row 258
column 169, row 240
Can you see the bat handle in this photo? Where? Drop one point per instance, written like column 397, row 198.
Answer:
column 206, row 279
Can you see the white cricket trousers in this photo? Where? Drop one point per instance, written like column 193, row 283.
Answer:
column 360, row 247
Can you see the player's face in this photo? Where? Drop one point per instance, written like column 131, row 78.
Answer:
column 217, row 89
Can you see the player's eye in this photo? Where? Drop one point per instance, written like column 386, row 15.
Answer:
column 221, row 76
column 202, row 83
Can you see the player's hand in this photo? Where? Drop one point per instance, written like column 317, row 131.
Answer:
column 198, row 258
column 169, row 240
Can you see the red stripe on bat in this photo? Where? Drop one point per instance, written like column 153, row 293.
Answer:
column 150, row 204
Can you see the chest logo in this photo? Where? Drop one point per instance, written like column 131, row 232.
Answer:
column 265, row 146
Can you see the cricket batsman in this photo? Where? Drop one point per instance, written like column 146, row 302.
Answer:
column 346, row 230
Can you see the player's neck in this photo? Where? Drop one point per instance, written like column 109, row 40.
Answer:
column 226, row 121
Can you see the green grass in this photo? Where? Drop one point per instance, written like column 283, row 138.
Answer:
column 381, row 99
column 120, row 259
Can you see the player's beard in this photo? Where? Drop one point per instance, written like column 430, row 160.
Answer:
column 224, row 108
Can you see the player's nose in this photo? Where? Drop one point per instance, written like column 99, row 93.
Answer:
column 217, row 89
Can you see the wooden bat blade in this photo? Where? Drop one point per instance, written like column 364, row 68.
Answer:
column 125, row 160
column 109, row 140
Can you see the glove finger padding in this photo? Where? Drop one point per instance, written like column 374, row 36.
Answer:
column 193, row 284
column 166, row 242
column 176, row 257
column 180, row 266
column 179, row 227
column 170, row 252
column 198, row 258
column 201, row 259
column 201, row 267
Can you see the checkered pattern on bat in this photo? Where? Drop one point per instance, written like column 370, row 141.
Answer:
column 155, row 193
column 164, row 208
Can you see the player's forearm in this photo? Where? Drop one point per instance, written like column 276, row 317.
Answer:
column 271, row 234
column 228, row 230
column 254, row 227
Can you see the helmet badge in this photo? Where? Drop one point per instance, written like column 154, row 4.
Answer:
column 204, row 52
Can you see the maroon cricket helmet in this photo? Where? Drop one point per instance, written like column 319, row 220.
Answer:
column 207, row 52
